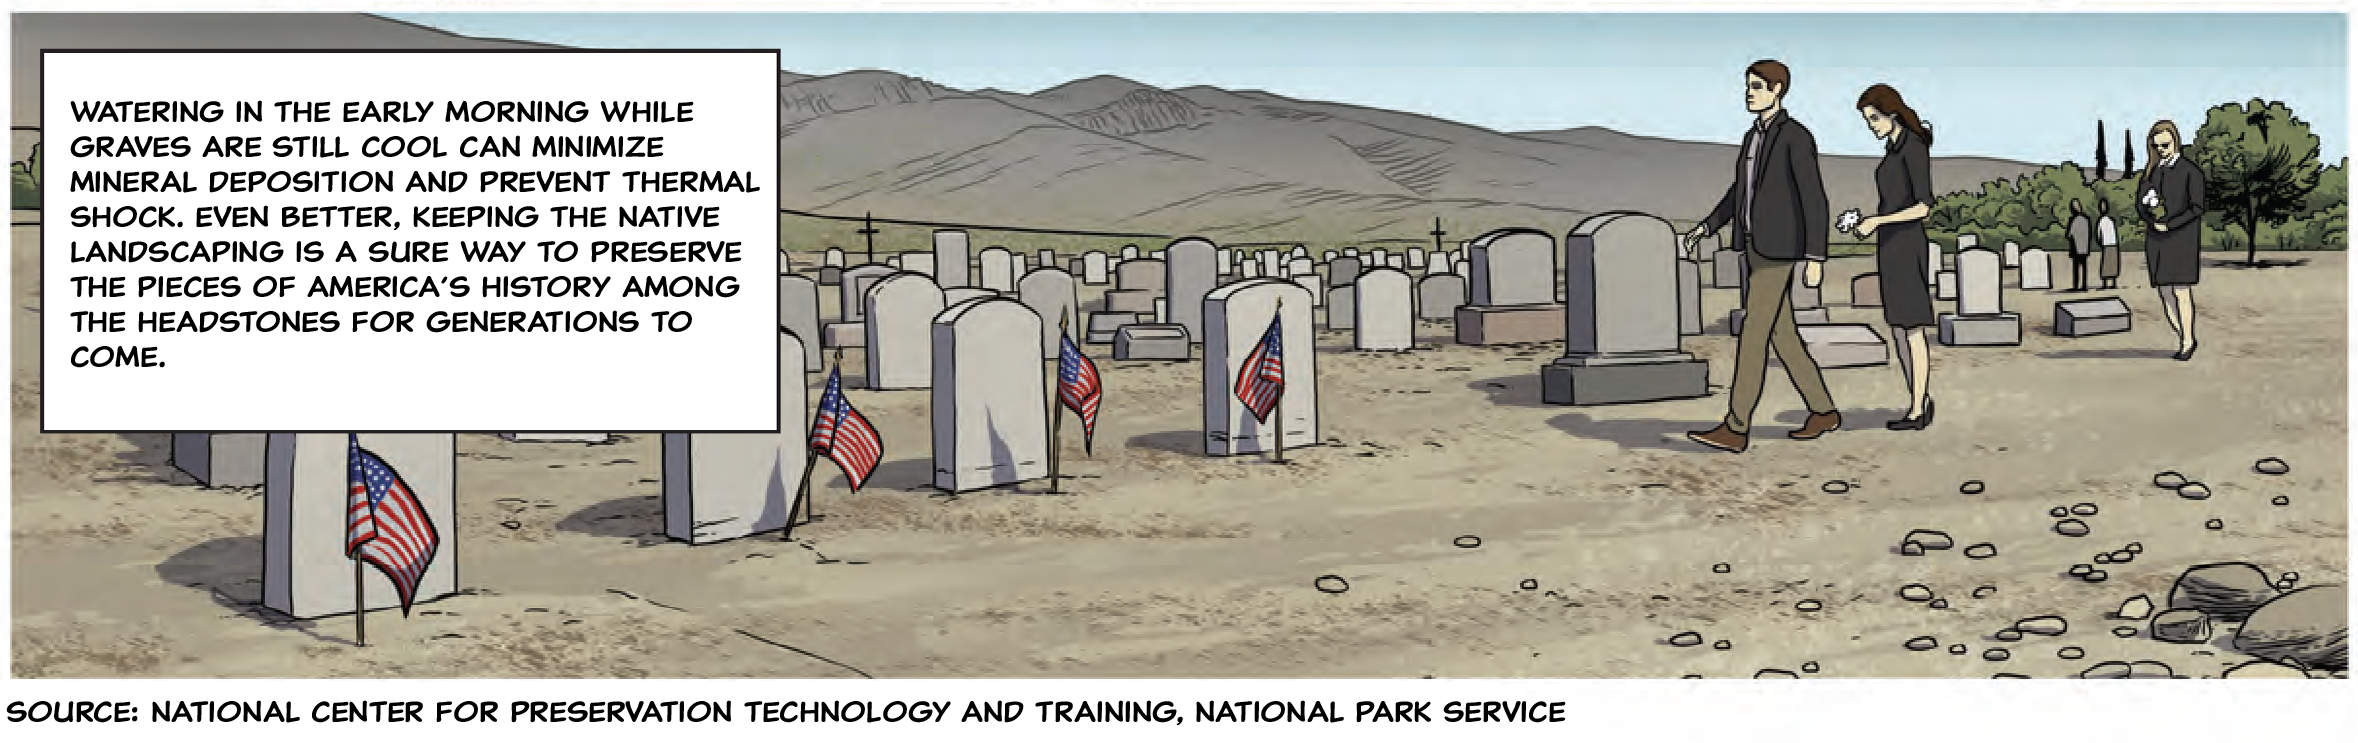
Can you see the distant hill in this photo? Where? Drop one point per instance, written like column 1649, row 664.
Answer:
column 1105, row 153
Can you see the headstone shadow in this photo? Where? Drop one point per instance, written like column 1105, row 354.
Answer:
column 1187, row 442
column 906, row 474
column 1520, row 391
column 229, row 571
column 636, row 517
column 148, row 461
column 2111, row 353
column 2262, row 263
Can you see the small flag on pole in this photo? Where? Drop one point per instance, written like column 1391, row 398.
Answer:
column 843, row 435
column 386, row 525
column 1262, row 378
column 1077, row 386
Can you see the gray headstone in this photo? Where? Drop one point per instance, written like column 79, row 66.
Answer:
column 2003, row 329
column 1129, row 252
column 1299, row 266
column 1932, row 264
column 1386, row 311
column 834, row 258
column 2034, row 273
column 1094, row 271
column 990, row 400
column 1866, row 290
column 1102, row 325
column 1162, row 311
column 1251, row 270
column 996, row 269
column 221, row 460
column 1342, row 271
column 953, row 259
column 1131, row 300
column 305, row 573
column 1944, row 285
column 721, row 486
column 1328, row 257
column 843, row 335
column 1514, row 267
column 1967, row 242
column 798, row 311
column 1300, row 252
column 1047, row 258
column 1191, row 270
column 830, row 276
column 924, row 263
column 1416, row 258
column 2086, row 317
column 1053, row 296
column 1980, row 278
column 856, row 281
column 1341, row 312
column 1439, row 295
column 1270, row 262
column 1144, row 274
column 1690, row 298
column 1727, row 269
column 2013, row 254
column 1311, row 283
column 1155, row 342
column 1225, row 259
column 1237, row 316
column 1350, row 252
column 1621, row 319
column 900, row 311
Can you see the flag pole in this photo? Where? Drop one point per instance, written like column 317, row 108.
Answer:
column 359, row 602
column 801, row 510
column 1055, row 386
column 1280, row 411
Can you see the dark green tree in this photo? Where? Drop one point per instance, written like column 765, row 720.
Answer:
column 2259, row 164
column 2100, row 162
column 2128, row 153
column 24, row 181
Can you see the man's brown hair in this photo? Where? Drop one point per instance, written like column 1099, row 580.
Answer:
column 1775, row 73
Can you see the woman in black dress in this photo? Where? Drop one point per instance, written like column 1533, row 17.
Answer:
column 2169, row 198
column 1903, row 186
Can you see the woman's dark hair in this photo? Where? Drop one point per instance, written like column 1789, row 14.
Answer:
column 1883, row 98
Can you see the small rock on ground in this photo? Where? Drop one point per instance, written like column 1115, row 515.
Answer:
column 2194, row 491
column 2264, row 669
column 1971, row 487
column 2083, row 509
column 1468, row 541
column 1915, row 592
column 1995, row 654
column 1775, row 673
column 2046, row 624
column 2068, row 652
column 1982, row 551
column 1932, row 540
column 2072, row 528
column 1722, row 645
column 2168, row 479
column 1809, row 605
column 1332, row 584
column 2183, row 626
column 2271, row 466
column 1686, row 639
column 2137, row 607
column 1921, row 644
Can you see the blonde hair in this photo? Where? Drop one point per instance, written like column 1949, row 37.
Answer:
column 2153, row 158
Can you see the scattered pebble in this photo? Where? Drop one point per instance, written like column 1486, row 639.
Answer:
column 2168, row 480
column 2081, row 570
column 1835, row 487
column 2124, row 557
column 1720, row 568
column 2059, row 512
column 1686, row 639
column 1922, row 644
column 1775, row 673
column 2111, row 669
column 2135, row 548
column 2007, row 635
column 1809, row 605
column 2124, row 632
column 1940, row 603
column 1932, row 540
column 1984, row 591
column 512, row 524
column 2271, row 466
column 2183, row 626
column 1722, row 645
column 1957, row 649
column 1911, row 549
column 1688, row 676
column 1530, row 584
column 1810, row 667
column 2045, row 624
column 1332, row 584
column 1982, row 551
column 2150, row 669
column 1995, row 654
column 2289, row 577
column 2194, row 491
column 2137, row 607
column 1915, row 592
column 2280, row 500
column 2214, row 525
column 2083, row 509
column 2102, row 558
column 2095, row 576
column 1971, row 487
column 1468, row 541
column 2072, row 528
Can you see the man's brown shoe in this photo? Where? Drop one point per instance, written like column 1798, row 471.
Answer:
column 1721, row 438
column 1817, row 425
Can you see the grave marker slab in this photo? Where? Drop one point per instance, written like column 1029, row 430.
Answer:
column 900, row 311
column 990, row 414
column 305, row 573
column 1341, row 312
column 721, row 486
column 1841, row 346
column 1690, row 297
column 953, row 259
column 1237, row 316
column 1103, row 325
column 1944, row 285
column 2087, row 317
column 1055, row 297
column 1511, row 289
column 1191, row 270
column 1093, row 270
column 1621, row 341
column 221, row 460
column 854, row 287
column 996, row 269
column 1439, row 295
column 1384, row 311
column 1727, row 269
column 2034, row 275
column 1152, row 342
column 798, row 311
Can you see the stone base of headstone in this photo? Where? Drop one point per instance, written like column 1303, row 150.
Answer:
column 305, row 573
column 1944, row 286
column 1817, row 316
column 2002, row 329
column 1155, row 342
column 221, row 460
column 830, row 276
column 1102, row 325
column 1533, row 323
column 1866, row 290
column 1612, row 380
column 557, row 438
column 844, row 335
column 1841, row 346
column 1140, row 301
column 2086, row 317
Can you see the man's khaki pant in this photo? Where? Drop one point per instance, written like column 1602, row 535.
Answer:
column 1768, row 322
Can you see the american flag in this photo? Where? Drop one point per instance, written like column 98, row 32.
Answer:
column 386, row 526
column 1262, row 378
column 843, row 435
column 1077, row 386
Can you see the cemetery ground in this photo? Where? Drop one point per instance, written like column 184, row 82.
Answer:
column 1598, row 528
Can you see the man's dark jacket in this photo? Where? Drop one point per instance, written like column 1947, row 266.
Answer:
column 1789, row 213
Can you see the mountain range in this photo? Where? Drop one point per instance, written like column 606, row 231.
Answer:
column 1106, row 153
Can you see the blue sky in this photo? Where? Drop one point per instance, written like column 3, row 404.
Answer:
column 2020, row 86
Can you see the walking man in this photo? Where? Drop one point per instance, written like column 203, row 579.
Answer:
column 1777, row 206
column 2082, row 235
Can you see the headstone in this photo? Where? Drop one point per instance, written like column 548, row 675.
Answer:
column 843, row 335
column 996, row 269
column 721, row 486
column 1132, row 300
column 1157, row 255
column 1226, row 260
column 1416, row 258
column 900, row 311
column 1350, row 252
column 1047, row 258
column 2034, row 274
column 1162, row 310
column 305, row 571
column 1158, row 342
column 1341, row 312
column 1690, row 297
column 922, row 263
column 1301, row 252
column 854, row 286
column 1439, row 295
column 830, row 276
column 1841, row 346
column 956, row 294
column 1621, row 342
column 2013, row 254
column 1052, row 295
column 1944, row 285
column 953, row 259
column 1967, row 242
column 1329, row 257
column 1385, row 311
column 1270, row 262
column 1093, row 268
column 1511, row 292
column 1144, row 274
column 556, row 438
column 1866, row 290
column 1300, row 266
column 1252, row 269
column 1980, row 319
column 1023, row 263
column 1103, row 325
column 1464, row 267
column 1310, row 282
column 1191, row 270
column 1932, row 263
column 798, row 311
column 990, row 399
column 1342, row 271
column 834, row 258
column 1237, row 316
column 893, row 261
column 2086, row 317
column 1129, row 252
column 221, row 460
column 1727, row 269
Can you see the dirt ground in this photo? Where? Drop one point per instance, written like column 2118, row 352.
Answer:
column 1161, row 562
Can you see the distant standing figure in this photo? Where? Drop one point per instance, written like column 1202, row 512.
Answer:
column 2109, row 237
column 1778, row 206
column 2082, row 235
column 1903, row 188
column 2170, row 200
